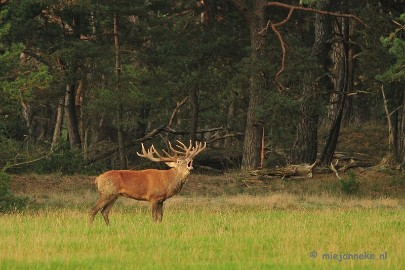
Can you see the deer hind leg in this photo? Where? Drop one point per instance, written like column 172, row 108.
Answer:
column 101, row 203
column 107, row 208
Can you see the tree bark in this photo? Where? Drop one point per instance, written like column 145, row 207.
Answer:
column 118, row 86
column 58, row 123
column 142, row 124
column 395, row 114
column 396, row 128
column 401, row 133
column 252, row 141
column 27, row 115
column 194, row 113
column 70, row 108
column 229, row 124
column 342, row 77
column 391, row 131
column 305, row 146
column 323, row 32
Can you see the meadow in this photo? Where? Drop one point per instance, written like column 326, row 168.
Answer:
column 278, row 231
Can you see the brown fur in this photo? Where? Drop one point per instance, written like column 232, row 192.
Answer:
column 151, row 185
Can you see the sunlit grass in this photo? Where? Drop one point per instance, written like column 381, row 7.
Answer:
column 241, row 232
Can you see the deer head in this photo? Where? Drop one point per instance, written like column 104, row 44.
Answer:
column 182, row 157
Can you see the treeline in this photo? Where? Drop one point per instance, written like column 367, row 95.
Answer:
column 84, row 82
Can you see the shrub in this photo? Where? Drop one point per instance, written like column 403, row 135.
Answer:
column 350, row 184
column 9, row 202
column 398, row 180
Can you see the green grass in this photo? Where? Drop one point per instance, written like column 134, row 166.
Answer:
column 240, row 232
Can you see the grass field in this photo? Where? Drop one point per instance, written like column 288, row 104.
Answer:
column 278, row 231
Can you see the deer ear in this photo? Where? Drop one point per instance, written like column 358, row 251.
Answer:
column 171, row 164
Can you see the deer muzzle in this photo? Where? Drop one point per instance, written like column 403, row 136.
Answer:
column 190, row 164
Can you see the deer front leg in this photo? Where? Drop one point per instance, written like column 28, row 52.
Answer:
column 154, row 206
column 160, row 211
column 157, row 210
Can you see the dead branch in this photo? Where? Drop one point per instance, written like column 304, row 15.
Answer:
column 282, row 43
column 289, row 171
column 335, row 171
column 176, row 110
column 166, row 126
column 281, row 70
column 229, row 135
column 280, row 38
column 39, row 59
column 344, row 161
column 389, row 120
column 209, row 130
column 357, row 92
column 350, row 16
column 153, row 133
column 8, row 166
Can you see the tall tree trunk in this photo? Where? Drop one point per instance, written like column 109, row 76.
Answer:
column 253, row 129
column 142, row 122
column 229, row 124
column 58, row 123
column 401, row 133
column 306, row 139
column 342, row 77
column 305, row 146
column 120, row 132
column 79, row 105
column 194, row 114
column 27, row 115
column 70, row 109
column 396, row 129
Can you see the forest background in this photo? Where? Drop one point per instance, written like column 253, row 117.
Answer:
column 272, row 85
column 84, row 82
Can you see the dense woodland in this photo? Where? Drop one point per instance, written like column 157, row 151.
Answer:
column 83, row 82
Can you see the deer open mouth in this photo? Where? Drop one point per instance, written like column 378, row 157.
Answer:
column 190, row 165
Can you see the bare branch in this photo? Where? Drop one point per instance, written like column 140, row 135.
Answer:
column 350, row 16
column 389, row 120
column 334, row 170
column 279, row 36
column 235, row 134
column 175, row 111
column 156, row 131
column 358, row 92
column 282, row 43
column 7, row 166
column 38, row 58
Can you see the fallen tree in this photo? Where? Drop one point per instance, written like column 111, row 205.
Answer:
column 342, row 162
column 289, row 171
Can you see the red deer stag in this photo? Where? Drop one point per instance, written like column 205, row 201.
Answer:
column 154, row 186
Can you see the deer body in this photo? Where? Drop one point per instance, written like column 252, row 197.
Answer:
column 145, row 185
column 151, row 185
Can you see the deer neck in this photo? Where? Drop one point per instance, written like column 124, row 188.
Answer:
column 179, row 179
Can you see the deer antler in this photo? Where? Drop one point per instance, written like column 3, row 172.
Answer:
column 149, row 154
column 199, row 147
column 191, row 151
column 185, row 149
column 187, row 152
